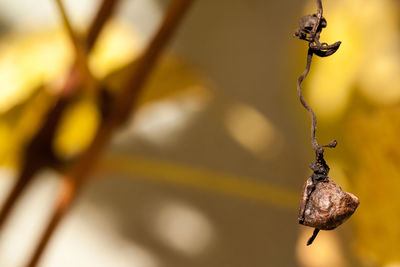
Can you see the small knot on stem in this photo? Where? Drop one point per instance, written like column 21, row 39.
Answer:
column 332, row 144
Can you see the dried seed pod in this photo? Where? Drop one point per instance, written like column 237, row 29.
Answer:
column 324, row 205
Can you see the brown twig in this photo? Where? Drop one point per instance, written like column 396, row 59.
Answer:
column 119, row 112
column 103, row 15
column 314, row 141
column 22, row 182
column 68, row 192
column 67, row 23
column 38, row 153
column 312, row 238
column 310, row 30
column 80, row 52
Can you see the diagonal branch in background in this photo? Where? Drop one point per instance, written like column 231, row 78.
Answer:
column 105, row 11
column 38, row 153
column 81, row 60
column 323, row 205
column 70, row 31
column 121, row 109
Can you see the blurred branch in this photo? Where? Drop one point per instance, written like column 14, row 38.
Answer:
column 80, row 53
column 105, row 12
column 68, row 26
column 38, row 152
column 120, row 110
column 65, row 197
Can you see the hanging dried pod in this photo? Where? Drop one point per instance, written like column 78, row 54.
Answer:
column 327, row 206
column 323, row 204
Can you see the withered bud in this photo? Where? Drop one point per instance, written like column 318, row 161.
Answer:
column 325, row 205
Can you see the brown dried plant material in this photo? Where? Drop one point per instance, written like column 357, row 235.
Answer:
column 326, row 206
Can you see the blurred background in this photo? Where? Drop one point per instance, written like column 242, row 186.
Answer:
column 209, row 171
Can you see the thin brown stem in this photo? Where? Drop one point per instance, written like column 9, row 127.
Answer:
column 105, row 12
column 322, row 50
column 319, row 17
column 80, row 52
column 319, row 5
column 130, row 93
column 17, row 190
column 68, row 26
column 319, row 167
column 37, row 155
column 314, row 141
column 121, row 109
column 67, row 194
column 312, row 238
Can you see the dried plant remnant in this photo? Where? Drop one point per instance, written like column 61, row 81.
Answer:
column 323, row 205
column 327, row 207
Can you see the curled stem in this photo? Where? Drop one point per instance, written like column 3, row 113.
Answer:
column 312, row 36
column 319, row 167
column 314, row 141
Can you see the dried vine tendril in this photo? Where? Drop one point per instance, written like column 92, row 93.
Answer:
column 323, row 205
